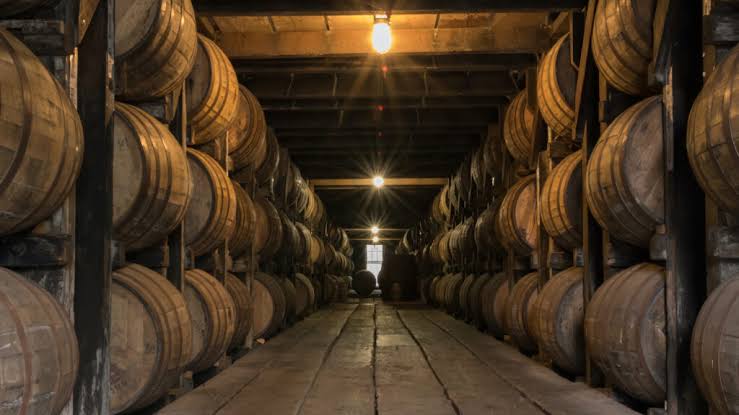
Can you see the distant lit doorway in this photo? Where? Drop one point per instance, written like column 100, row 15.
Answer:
column 374, row 260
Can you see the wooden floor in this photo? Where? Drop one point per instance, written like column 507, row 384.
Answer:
column 366, row 359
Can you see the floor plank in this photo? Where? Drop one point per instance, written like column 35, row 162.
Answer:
column 345, row 384
column 470, row 384
column 557, row 395
column 405, row 382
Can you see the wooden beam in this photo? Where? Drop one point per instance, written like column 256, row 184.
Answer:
column 389, row 182
column 496, row 39
column 333, row 7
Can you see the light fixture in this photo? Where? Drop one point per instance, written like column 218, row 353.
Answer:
column 382, row 37
column 375, row 230
column 378, row 181
column 375, row 239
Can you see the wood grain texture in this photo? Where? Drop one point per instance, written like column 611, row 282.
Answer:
column 38, row 349
column 625, row 331
column 247, row 138
column 713, row 135
column 155, row 44
column 517, row 126
column 245, row 225
column 268, row 233
column 41, row 139
column 555, row 88
column 622, row 43
column 561, row 202
column 242, row 307
column 151, row 339
column 151, row 179
column 523, row 294
column 516, row 224
column 305, row 295
column 269, row 305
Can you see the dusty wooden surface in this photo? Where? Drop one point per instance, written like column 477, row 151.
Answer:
column 367, row 358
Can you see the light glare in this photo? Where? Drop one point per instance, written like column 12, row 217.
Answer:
column 382, row 38
column 375, row 239
column 378, row 181
column 375, row 230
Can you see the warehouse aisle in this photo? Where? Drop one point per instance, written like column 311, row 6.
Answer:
column 365, row 359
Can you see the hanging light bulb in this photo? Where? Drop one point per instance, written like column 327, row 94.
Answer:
column 375, row 239
column 378, row 181
column 382, row 37
column 375, row 230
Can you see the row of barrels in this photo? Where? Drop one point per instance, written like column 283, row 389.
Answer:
column 623, row 326
column 157, row 332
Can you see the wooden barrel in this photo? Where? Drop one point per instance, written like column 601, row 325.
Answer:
column 437, row 292
column 522, row 295
column 268, row 233
column 41, row 141
column 288, row 290
column 714, row 352
column 478, row 172
column 151, row 179
column 464, row 292
column 561, row 202
column 213, row 315
column 440, row 206
column 494, row 297
column 151, row 337
column 245, row 223
column 213, row 96
column 474, row 300
column 247, row 138
column 517, row 126
column 622, row 43
column 291, row 243
column 39, row 349
column 305, row 296
column 155, row 46
column 556, row 82
column 363, row 283
column 268, row 301
column 211, row 215
column 268, row 169
column 624, row 184
column 444, row 251
column 305, row 243
column 712, row 141
column 486, row 241
column 317, row 251
column 516, row 225
column 451, row 293
column 242, row 306
column 625, row 331
column 560, row 320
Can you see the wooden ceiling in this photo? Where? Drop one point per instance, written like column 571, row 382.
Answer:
column 345, row 112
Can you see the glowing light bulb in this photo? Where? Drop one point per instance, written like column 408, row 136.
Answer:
column 375, row 239
column 378, row 181
column 382, row 37
column 375, row 230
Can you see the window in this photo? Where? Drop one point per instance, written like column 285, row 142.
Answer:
column 374, row 259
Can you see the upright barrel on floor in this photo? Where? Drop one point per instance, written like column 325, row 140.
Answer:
column 211, row 215
column 213, row 314
column 625, row 174
column 714, row 351
column 364, row 283
column 151, row 179
column 213, row 96
column 155, row 46
column 712, row 140
column 38, row 348
column 41, row 140
column 151, row 337
column 625, row 331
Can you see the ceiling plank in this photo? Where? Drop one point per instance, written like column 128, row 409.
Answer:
column 496, row 39
column 389, row 182
column 335, row 7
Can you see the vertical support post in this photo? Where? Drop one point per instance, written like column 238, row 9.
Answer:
column 678, row 66
column 586, row 130
column 176, row 239
column 94, row 215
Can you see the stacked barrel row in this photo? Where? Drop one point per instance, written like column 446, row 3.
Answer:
column 623, row 325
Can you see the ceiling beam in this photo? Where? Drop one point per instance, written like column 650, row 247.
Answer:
column 308, row 104
column 388, row 141
column 496, row 39
column 389, row 182
column 334, row 7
